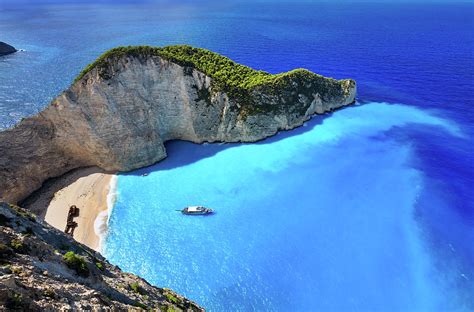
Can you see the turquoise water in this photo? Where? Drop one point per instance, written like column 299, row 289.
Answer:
column 370, row 208
column 322, row 217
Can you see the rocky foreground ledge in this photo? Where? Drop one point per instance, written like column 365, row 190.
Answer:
column 6, row 49
column 41, row 269
column 123, row 107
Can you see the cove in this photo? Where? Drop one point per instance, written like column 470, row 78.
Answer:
column 324, row 216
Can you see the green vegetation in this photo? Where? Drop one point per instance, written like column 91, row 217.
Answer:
column 23, row 213
column 77, row 263
column 226, row 73
column 237, row 80
column 17, row 245
column 16, row 269
column 99, row 265
column 49, row 292
column 141, row 305
column 136, row 288
column 171, row 297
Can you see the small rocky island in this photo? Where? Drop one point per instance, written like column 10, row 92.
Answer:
column 122, row 108
column 6, row 49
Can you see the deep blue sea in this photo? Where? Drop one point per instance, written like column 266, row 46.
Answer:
column 370, row 208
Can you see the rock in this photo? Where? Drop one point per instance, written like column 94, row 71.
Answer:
column 6, row 49
column 26, row 287
column 123, row 108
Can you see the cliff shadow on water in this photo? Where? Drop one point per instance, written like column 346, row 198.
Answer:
column 183, row 153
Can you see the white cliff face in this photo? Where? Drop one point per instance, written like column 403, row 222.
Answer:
column 122, row 122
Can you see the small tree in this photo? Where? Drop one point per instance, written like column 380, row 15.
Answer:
column 77, row 263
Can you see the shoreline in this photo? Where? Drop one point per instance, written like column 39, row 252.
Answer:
column 92, row 190
column 101, row 221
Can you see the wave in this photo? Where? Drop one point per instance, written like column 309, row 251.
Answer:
column 101, row 223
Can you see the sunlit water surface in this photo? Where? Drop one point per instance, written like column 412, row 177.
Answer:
column 330, row 216
column 370, row 208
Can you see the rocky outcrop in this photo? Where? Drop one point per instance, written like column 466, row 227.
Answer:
column 41, row 269
column 6, row 49
column 121, row 111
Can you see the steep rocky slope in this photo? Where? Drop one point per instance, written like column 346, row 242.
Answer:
column 123, row 107
column 41, row 269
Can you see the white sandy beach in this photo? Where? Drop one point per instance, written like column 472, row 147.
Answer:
column 89, row 193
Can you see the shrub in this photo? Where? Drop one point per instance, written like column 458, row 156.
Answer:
column 49, row 292
column 171, row 298
column 77, row 263
column 17, row 245
column 235, row 79
column 135, row 287
column 99, row 265
column 141, row 305
column 16, row 270
column 23, row 213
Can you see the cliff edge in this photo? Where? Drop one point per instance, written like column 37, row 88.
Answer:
column 123, row 107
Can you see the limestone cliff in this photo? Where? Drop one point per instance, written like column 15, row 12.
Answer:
column 122, row 108
column 41, row 269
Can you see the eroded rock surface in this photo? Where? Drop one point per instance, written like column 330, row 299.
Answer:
column 35, row 276
column 120, row 120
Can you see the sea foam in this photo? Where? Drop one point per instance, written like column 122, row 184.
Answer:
column 101, row 223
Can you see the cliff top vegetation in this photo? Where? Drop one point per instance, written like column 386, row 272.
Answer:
column 227, row 74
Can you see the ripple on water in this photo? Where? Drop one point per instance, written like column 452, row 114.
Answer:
column 322, row 216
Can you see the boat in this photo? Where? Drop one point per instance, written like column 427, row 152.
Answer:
column 196, row 210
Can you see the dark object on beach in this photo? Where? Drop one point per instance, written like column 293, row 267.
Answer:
column 196, row 210
column 71, row 224
column 6, row 49
column 73, row 212
column 70, row 227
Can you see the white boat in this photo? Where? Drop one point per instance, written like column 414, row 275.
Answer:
column 196, row 210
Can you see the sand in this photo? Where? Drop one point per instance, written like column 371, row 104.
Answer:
column 88, row 190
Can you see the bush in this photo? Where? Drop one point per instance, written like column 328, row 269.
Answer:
column 141, row 305
column 23, row 213
column 49, row 292
column 77, row 263
column 135, row 287
column 99, row 265
column 171, row 298
column 17, row 245
column 229, row 76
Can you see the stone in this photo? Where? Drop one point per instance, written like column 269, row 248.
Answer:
column 60, row 289
column 6, row 49
column 121, row 122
